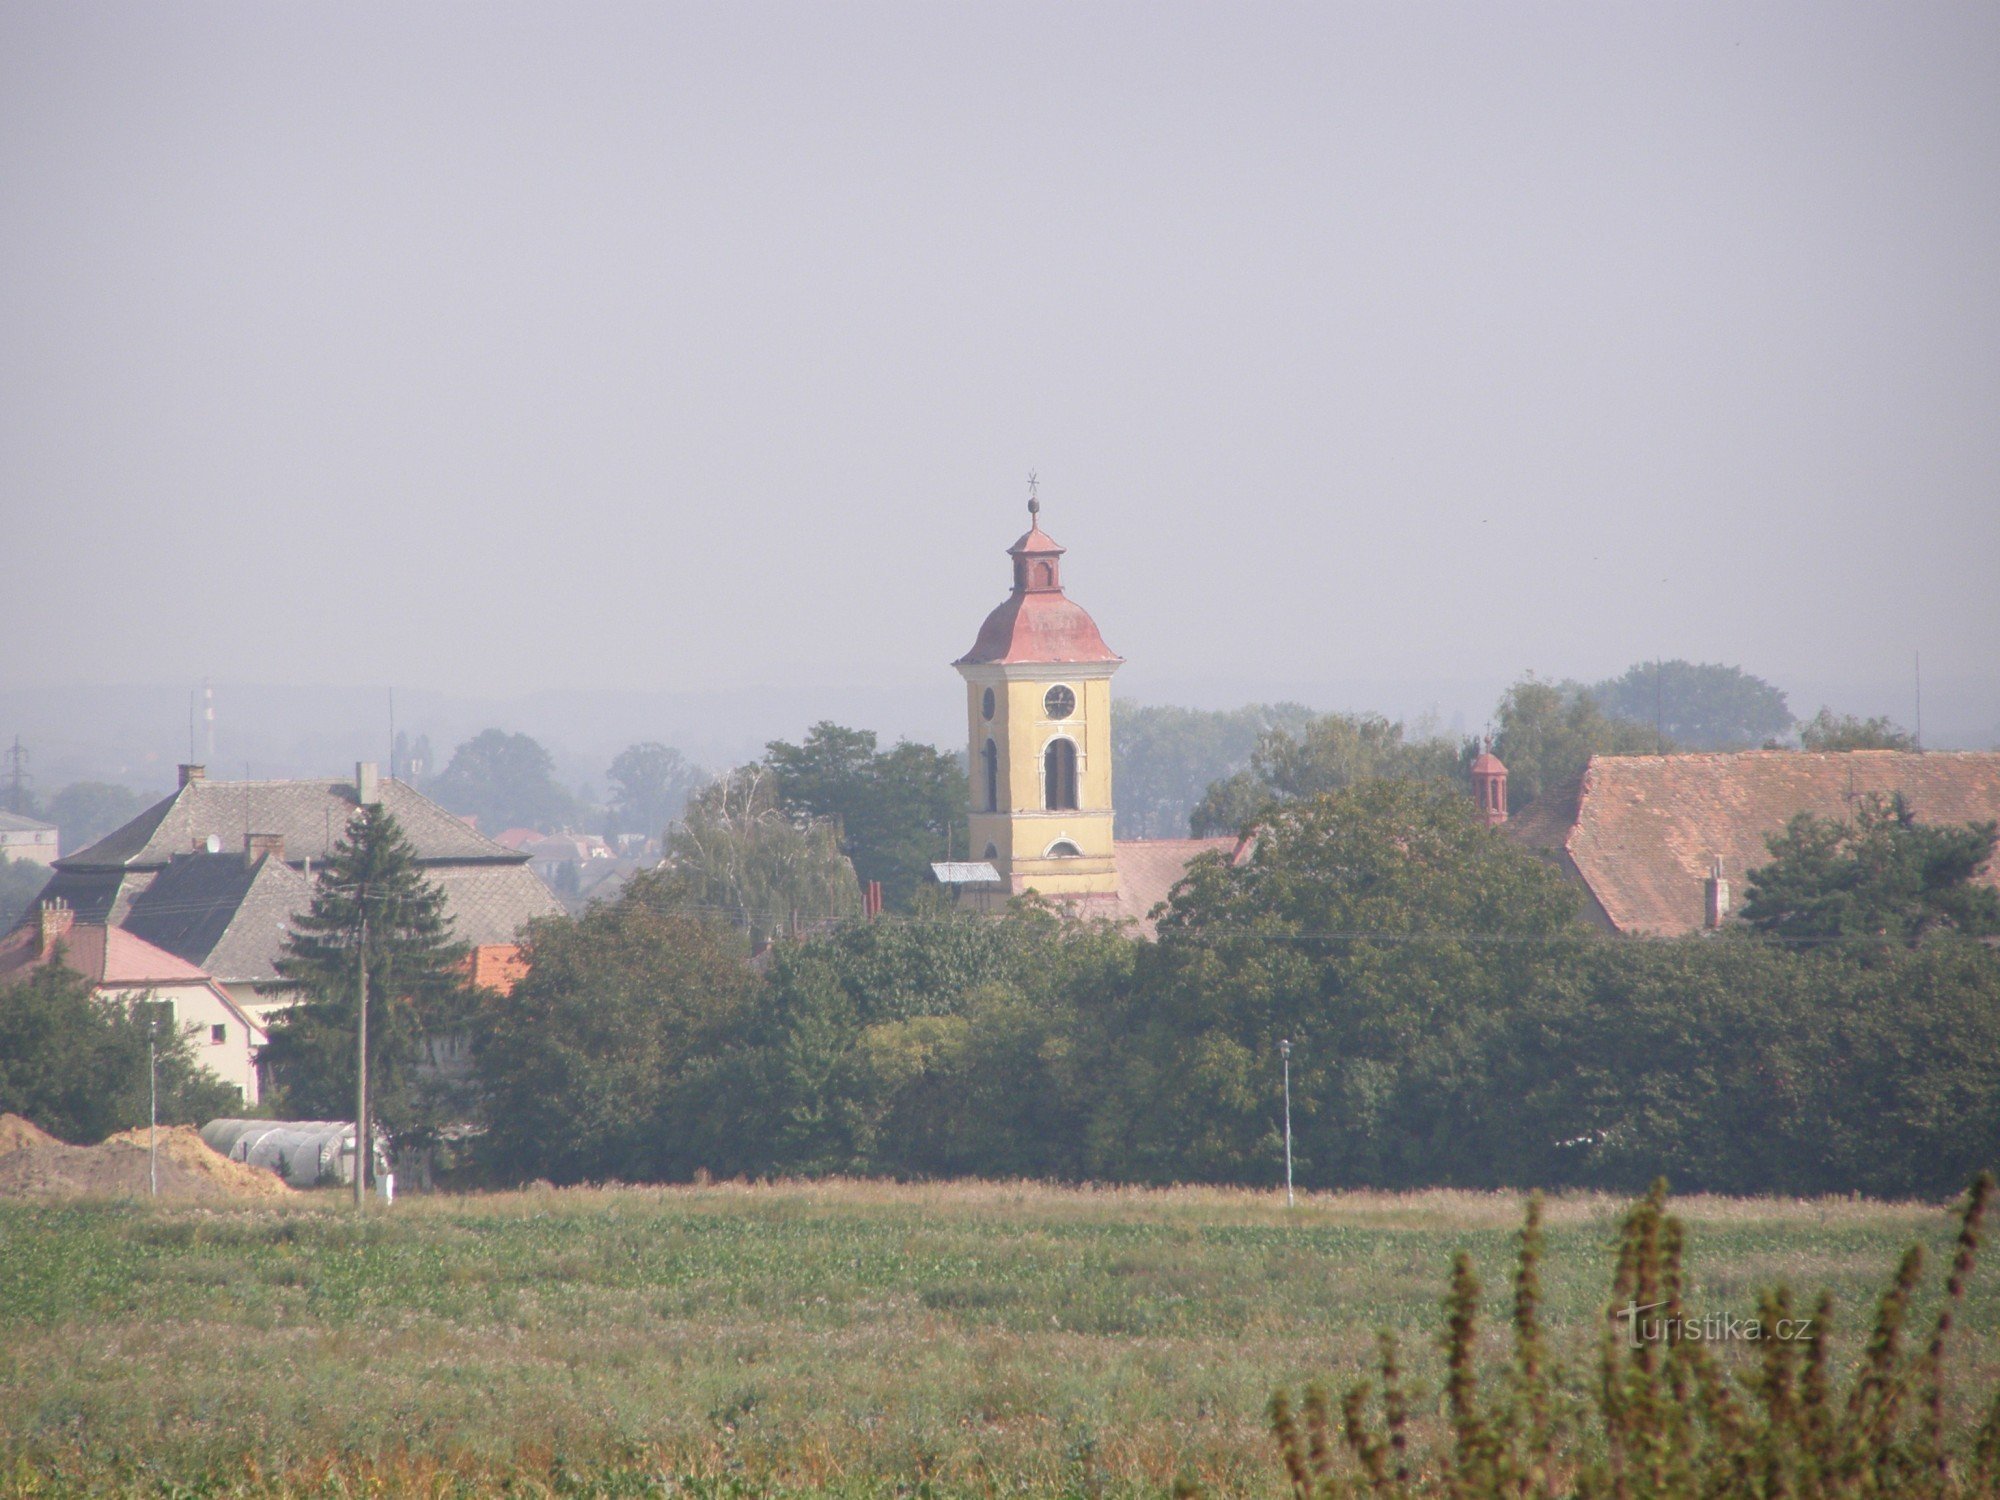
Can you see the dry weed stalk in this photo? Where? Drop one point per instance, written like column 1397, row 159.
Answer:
column 1670, row 1421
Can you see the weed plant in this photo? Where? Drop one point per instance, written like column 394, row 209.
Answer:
column 1666, row 1417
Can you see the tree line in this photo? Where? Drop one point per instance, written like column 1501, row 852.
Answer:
column 1451, row 1022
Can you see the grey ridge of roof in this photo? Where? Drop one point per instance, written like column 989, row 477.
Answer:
column 311, row 815
column 16, row 823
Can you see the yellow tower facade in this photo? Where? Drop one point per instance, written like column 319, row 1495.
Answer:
column 1038, row 728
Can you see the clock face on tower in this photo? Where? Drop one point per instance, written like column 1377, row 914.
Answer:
column 1060, row 703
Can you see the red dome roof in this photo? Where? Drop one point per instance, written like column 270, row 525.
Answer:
column 1038, row 622
column 1488, row 764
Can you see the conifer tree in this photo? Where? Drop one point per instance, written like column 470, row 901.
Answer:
column 416, row 989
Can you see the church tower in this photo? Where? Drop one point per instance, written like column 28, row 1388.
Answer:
column 1038, row 716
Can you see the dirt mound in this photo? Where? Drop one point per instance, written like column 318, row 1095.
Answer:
column 184, row 1144
column 189, row 1170
column 17, row 1134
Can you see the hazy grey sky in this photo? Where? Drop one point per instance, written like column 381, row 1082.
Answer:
column 497, row 347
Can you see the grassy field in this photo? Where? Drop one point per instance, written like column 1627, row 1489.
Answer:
column 857, row 1337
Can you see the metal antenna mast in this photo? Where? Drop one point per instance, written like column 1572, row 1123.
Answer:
column 17, row 777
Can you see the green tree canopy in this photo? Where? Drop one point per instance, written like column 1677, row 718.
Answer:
column 740, row 857
column 1384, row 931
column 76, row 1066
column 506, row 781
column 416, row 984
column 21, row 881
column 85, row 811
column 612, row 1058
column 1827, row 730
column 1328, row 753
column 1885, row 875
column 894, row 810
column 1168, row 758
column 1547, row 732
column 650, row 784
column 936, row 1046
column 1704, row 706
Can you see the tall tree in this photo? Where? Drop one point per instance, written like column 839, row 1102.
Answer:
column 1383, row 930
column 1328, row 753
column 21, row 880
column 611, row 1058
column 1704, row 706
column 507, row 781
column 416, row 984
column 76, row 1066
column 1885, row 875
column 650, row 785
column 1827, row 730
column 84, row 811
column 1168, row 758
column 1547, row 733
column 895, row 810
column 741, row 857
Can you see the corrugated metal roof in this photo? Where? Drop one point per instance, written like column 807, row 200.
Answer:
column 965, row 872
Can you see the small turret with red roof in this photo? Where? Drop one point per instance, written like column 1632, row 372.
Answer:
column 1038, row 622
column 1489, row 786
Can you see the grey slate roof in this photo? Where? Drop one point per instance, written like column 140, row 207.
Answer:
column 312, row 816
column 221, row 914
column 228, row 915
column 16, row 823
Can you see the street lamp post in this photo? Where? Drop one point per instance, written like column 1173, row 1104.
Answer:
column 1285, row 1051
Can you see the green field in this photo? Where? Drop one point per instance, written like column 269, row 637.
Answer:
column 959, row 1338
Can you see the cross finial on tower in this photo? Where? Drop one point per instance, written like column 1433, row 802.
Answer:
column 1034, row 501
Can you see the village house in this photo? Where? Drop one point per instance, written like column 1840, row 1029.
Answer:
column 215, row 873
column 1660, row 844
column 28, row 840
column 126, row 969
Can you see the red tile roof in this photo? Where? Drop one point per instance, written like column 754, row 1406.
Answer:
column 103, row 955
column 1037, row 622
column 1646, row 829
column 497, row 966
column 1148, row 869
column 1038, row 627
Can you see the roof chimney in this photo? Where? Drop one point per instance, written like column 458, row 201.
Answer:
column 193, row 773
column 367, row 790
column 58, row 916
column 1714, row 897
column 257, row 845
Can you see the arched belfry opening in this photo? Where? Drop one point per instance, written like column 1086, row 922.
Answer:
column 1059, row 776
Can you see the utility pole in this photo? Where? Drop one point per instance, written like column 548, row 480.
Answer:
column 1285, row 1051
column 153, row 1118
column 361, row 1065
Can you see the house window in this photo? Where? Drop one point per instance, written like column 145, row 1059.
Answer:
column 217, row 1035
column 992, row 852
column 990, row 758
column 1059, row 775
